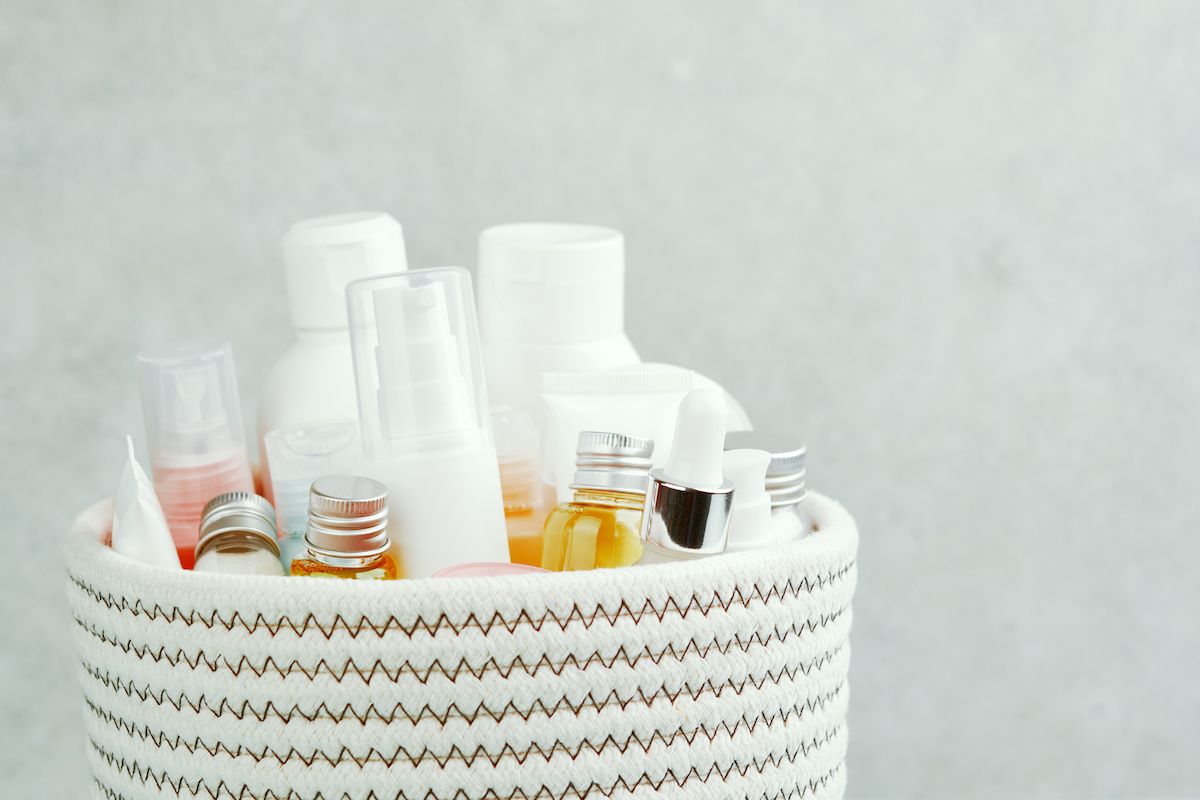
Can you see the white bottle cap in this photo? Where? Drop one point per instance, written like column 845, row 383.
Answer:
column 551, row 284
column 750, row 520
column 323, row 254
column 190, row 402
column 416, row 358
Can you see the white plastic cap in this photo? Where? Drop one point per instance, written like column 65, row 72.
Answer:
column 695, row 459
column 551, row 283
column 323, row 254
column 416, row 356
column 298, row 455
column 750, row 519
column 190, row 402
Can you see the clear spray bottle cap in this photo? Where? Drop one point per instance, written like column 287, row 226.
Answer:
column 416, row 361
column 190, row 402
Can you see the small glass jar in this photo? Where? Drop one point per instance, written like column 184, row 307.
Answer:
column 347, row 531
column 237, row 536
column 601, row 526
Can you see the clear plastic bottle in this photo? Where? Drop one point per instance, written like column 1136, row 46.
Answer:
column 601, row 526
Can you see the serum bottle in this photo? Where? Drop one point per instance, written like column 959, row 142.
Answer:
column 425, row 428
column 347, row 531
column 600, row 526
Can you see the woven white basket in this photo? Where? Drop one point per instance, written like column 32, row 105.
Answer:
column 719, row 678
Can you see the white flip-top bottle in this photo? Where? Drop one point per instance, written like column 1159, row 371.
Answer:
column 313, row 380
column 423, row 411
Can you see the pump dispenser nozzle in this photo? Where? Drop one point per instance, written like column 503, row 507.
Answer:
column 689, row 501
column 750, row 521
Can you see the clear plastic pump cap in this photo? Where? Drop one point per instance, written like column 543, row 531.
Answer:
column 190, row 402
column 323, row 254
column 551, row 283
column 416, row 360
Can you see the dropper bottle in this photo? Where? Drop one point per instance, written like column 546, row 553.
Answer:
column 194, row 427
column 689, row 501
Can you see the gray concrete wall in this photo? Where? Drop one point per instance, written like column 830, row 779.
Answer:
column 956, row 243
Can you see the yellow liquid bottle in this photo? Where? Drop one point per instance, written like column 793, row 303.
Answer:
column 601, row 526
column 379, row 568
column 347, row 534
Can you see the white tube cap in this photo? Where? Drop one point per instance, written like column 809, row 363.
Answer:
column 323, row 254
column 551, row 283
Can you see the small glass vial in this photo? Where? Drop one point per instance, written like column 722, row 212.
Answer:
column 347, row 531
column 786, row 481
column 600, row 526
column 237, row 536
column 519, row 451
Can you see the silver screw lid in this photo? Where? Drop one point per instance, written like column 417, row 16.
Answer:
column 786, row 474
column 237, row 512
column 614, row 461
column 347, row 517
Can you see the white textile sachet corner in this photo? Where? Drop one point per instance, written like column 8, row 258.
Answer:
column 140, row 528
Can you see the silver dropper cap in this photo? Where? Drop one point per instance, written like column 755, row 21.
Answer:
column 237, row 512
column 786, row 474
column 347, row 517
column 613, row 461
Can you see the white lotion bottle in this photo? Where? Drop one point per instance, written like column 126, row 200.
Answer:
column 424, row 421
column 313, row 379
column 551, row 299
column 689, row 501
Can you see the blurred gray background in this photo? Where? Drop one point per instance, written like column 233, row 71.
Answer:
column 956, row 243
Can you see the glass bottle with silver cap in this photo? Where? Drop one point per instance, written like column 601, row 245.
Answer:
column 237, row 536
column 786, row 481
column 347, row 531
column 600, row 526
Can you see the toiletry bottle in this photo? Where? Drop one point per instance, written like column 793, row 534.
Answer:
column 139, row 527
column 347, row 531
column 786, row 479
column 688, row 503
column 750, row 517
column 551, row 299
column 601, row 526
column 237, row 536
column 314, row 378
column 194, row 428
column 297, row 456
column 519, row 450
column 423, row 413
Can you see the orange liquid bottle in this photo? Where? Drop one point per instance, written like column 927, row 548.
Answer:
column 347, row 534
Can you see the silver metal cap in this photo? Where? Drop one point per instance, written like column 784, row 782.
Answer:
column 347, row 517
column 612, row 461
column 786, row 474
column 237, row 512
column 684, row 519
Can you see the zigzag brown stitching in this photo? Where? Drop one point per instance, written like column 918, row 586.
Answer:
column 323, row 711
column 145, row 775
column 194, row 660
column 694, row 605
column 402, row 754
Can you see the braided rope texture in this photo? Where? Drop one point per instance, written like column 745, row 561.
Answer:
column 718, row 678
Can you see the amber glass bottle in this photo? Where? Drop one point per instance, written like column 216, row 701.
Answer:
column 347, row 531
column 600, row 527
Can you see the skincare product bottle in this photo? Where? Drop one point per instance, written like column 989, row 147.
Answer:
column 641, row 399
column 347, row 531
column 786, row 478
column 487, row 569
column 519, row 451
column 237, row 536
column 423, row 412
column 750, row 519
column 194, row 428
column 139, row 528
column 689, row 501
column 297, row 456
column 551, row 299
column 314, row 378
column 601, row 526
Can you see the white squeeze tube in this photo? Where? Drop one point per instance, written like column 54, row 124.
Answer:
column 423, row 412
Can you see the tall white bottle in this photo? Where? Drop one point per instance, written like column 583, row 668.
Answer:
column 423, row 412
column 313, row 380
column 551, row 299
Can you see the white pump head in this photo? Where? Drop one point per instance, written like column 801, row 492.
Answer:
column 324, row 254
column 750, row 521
